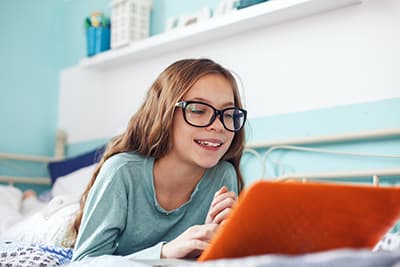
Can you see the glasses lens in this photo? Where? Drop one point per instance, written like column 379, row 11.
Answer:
column 198, row 114
column 234, row 119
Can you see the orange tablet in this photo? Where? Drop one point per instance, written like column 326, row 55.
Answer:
column 296, row 218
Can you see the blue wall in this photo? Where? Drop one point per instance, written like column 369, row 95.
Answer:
column 38, row 39
column 29, row 50
column 73, row 31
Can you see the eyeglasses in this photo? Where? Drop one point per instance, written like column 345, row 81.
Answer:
column 199, row 114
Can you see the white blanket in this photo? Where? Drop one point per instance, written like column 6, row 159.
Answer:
column 10, row 206
column 33, row 221
column 30, row 220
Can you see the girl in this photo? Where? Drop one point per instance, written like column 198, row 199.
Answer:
column 164, row 185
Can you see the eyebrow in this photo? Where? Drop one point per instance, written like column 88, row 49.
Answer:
column 228, row 104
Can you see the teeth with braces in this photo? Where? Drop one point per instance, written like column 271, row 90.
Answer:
column 205, row 143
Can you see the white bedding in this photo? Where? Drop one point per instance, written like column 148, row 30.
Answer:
column 45, row 223
column 10, row 206
column 30, row 220
column 334, row 258
column 49, row 225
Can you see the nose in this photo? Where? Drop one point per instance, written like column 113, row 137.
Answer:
column 217, row 123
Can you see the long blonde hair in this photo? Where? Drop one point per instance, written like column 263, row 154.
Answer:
column 149, row 130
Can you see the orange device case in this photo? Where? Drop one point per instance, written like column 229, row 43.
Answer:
column 297, row 218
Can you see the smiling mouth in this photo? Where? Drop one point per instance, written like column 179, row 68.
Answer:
column 208, row 144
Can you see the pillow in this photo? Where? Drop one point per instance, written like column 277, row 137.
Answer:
column 74, row 183
column 69, row 165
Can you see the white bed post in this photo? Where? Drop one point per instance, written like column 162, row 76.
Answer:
column 61, row 139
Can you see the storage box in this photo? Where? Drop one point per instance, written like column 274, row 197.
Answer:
column 98, row 40
column 130, row 21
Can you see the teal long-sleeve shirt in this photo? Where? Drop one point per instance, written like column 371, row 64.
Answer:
column 122, row 215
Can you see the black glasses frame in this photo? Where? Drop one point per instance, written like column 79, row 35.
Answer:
column 220, row 112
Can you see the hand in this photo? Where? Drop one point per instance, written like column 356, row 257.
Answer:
column 221, row 206
column 190, row 243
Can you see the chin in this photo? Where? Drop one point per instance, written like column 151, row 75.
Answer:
column 206, row 164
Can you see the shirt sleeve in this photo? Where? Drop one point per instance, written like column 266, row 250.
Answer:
column 103, row 219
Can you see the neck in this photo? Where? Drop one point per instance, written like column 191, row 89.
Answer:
column 174, row 182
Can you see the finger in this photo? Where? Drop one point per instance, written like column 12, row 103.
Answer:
column 182, row 248
column 214, row 210
column 223, row 196
column 223, row 222
column 219, row 196
column 222, row 190
column 197, row 244
column 224, row 204
column 204, row 232
column 222, row 216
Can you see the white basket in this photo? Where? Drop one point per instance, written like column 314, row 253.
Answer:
column 130, row 21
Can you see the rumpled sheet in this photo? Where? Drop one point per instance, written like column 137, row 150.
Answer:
column 48, row 224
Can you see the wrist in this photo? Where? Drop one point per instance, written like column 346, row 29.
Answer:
column 162, row 252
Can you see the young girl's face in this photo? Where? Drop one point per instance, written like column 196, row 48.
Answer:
column 203, row 146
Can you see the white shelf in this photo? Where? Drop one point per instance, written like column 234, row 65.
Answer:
column 257, row 16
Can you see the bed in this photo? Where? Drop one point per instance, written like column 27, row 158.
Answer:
column 34, row 227
column 32, row 230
